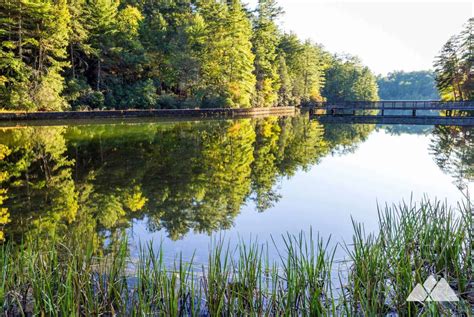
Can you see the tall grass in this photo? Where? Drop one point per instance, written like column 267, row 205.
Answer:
column 413, row 242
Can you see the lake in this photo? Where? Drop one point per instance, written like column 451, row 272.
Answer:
column 183, row 183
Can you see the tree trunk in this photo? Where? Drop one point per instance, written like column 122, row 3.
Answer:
column 73, row 68
column 98, row 75
column 20, row 36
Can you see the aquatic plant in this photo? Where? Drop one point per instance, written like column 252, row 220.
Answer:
column 381, row 269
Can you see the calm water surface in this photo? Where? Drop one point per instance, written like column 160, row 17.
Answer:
column 179, row 183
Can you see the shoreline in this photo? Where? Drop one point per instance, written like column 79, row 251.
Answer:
column 151, row 113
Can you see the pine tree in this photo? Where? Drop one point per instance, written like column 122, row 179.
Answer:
column 447, row 69
column 79, row 47
column 292, row 49
column 265, row 41
column 239, row 69
column 307, row 63
column 227, row 59
column 14, row 72
column 100, row 21
column 312, row 72
column 33, row 51
column 284, row 93
column 52, row 37
column 466, row 52
column 169, row 27
column 348, row 80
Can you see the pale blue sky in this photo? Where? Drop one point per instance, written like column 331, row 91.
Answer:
column 386, row 35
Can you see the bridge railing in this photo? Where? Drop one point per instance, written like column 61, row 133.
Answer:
column 398, row 105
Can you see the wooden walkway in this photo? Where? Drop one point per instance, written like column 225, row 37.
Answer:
column 418, row 120
column 396, row 105
column 397, row 112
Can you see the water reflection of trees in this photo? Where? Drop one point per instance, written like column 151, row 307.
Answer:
column 345, row 138
column 92, row 179
column 453, row 151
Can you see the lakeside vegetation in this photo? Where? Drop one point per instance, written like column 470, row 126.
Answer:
column 59, row 55
column 400, row 85
column 122, row 54
column 414, row 241
column 451, row 80
column 454, row 66
column 69, row 194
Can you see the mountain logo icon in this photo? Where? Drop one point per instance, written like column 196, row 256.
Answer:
column 433, row 291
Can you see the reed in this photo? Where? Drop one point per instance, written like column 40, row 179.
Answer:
column 413, row 242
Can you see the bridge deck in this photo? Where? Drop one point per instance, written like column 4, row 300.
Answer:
column 418, row 120
column 397, row 105
column 351, row 112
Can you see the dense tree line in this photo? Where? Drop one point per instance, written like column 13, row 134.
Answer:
column 348, row 80
column 58, row 54
column 454, row 66
column 400, row 85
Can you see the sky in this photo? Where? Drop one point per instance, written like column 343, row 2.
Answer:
column 387, row 35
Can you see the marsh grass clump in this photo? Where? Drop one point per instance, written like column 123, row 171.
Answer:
column 414, row 241
column 55, row 278
column 64, row 281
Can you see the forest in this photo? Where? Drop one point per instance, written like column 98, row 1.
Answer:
column 119, row 54
column 415, row 85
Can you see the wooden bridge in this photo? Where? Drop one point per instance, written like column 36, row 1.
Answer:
column 396, row 112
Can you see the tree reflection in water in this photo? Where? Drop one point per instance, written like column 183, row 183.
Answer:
column 93, row 180
column 453, row 152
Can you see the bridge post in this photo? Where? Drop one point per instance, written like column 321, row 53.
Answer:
column 414, row 113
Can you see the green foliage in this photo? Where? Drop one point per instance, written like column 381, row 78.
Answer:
column 33, row 40
column 453, row 66
column 348, row 80
column 121, row 54
column 55, row 277
column 226, row 60
column 265, row 40
column 400, row 85
column 414, row 241
column 306, row 64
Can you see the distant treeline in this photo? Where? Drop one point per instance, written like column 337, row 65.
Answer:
column 58, row 55
column 400, row 85
column 454, row 66
column 452, row 79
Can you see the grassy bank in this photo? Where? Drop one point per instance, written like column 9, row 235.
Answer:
column 413, row 242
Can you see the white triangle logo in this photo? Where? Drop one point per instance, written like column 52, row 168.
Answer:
column 432, row 290
column 443, row 292
column 418, row 294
